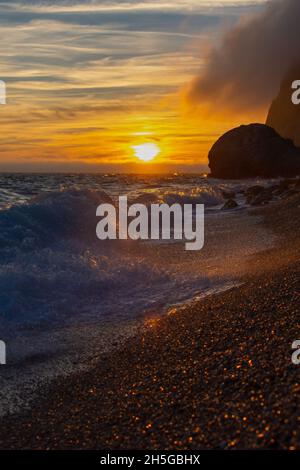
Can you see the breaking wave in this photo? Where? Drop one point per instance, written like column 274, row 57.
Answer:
column 54, row 270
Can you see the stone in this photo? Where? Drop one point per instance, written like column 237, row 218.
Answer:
column 253, row 150
column 230, row 204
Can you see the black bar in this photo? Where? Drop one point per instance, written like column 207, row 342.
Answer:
column 202, row 459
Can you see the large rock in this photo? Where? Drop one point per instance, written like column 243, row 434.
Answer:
column 230, row 204
column 284, row 116
column 255, row 150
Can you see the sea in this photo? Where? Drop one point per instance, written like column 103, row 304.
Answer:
column 66, row 297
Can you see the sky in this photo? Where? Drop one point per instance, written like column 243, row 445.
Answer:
column 89, row 81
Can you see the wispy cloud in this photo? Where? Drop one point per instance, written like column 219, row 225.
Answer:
column 102, row 68
column 245, row 70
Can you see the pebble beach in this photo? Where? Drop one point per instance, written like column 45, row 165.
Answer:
column 216, row 374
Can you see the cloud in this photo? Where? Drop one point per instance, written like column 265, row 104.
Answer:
column 80, row 5
column 104, row 69
column 245, row 71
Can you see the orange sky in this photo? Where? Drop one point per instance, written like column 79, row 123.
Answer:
column 86, row 83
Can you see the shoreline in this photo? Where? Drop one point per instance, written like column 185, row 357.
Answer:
column 215, row 374
column 40, row 355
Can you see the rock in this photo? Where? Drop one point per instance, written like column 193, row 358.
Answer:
column 290, row 193
column 284, row 186
column 252, row 192
column 284, row 116
column 255, row 150
column 256, row 189
column 262, row 199
column 280, row 190
column 275, row 188
column 228, row 194
column 230, row 204
column 258, row 195
column 286, row 183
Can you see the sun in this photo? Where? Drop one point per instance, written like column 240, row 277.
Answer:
column 146, row 152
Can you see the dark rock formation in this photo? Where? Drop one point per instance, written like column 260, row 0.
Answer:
column 253, row 192
column 284, row 116
column 230, row 204
column 260, row 195
column 228, row 194
column 255, row 150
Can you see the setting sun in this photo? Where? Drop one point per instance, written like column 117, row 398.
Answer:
column 146, row 152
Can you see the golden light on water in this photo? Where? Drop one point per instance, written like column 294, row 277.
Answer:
column 146, row 152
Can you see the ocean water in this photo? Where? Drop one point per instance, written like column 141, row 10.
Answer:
column 65, row 296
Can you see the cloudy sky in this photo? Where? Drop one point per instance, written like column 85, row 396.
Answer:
column 89, row 80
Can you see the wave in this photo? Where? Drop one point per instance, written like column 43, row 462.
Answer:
column 208, row 195
column 65, row 297
column 54, row 271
